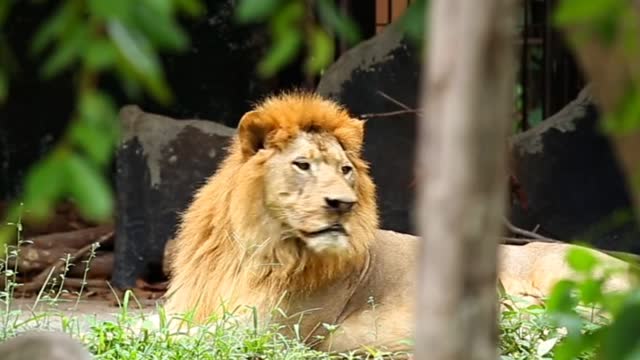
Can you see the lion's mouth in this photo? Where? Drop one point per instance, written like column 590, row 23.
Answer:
column 336, row 228
column 332, row 238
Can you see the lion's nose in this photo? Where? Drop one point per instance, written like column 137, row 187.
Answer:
column 341, row 205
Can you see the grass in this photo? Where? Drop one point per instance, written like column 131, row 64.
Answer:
column 131, row 335
column 134, row 336
column 526, row 331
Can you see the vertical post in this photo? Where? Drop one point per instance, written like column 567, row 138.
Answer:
column 467, row 94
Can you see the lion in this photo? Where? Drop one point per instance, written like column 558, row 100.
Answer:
column 289, row 221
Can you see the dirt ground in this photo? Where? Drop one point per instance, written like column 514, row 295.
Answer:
column 87, row 311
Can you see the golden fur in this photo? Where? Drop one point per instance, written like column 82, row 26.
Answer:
column 222, row 248
column 248, row 238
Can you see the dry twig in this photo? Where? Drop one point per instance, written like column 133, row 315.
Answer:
column 405, row 109
column 395, row 101
column 386, row 114
column 530, row 234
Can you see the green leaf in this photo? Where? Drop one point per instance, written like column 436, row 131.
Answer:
column 191, row 7
column 590, row 291
column 626, row 117
column 5, row 9
column 255, row 10
column 161, row 7
column 322, row 51
column 281, row 52
column 572, row 347
column 100, row 55
column 4, row 85
column 635, row 354
column 63, row 18
column 89, row 189
column 97, row 108
column 341, row 23
column 561, row 299
column 111, row 9
column 139, row 58
column 572, row 322
column 581, row 259
column 96, row 130
column 581, row 11
column 134, row 47
column 614, row 302
column 161, row 28
column 286, row 41
column 44, row 184
column 621, row 339
column 71, row 46
column 128, row 79
column 413, row 21
column 288, row 18
column 96, row 144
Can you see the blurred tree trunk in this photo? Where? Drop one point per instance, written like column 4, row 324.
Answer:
column 468, row 97
column 611, row 61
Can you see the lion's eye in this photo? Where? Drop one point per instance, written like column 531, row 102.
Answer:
column 346, row 169
column 302, row 165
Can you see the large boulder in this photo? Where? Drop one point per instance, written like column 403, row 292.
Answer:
column 43, row 345
column 574, row 185
column 386, row 64
column 568, row 172
column 160, row 164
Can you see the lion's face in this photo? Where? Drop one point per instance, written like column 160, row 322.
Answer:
column 310, row 189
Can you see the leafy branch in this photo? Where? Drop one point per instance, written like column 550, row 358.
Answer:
column 306, row 25
column 93, row 38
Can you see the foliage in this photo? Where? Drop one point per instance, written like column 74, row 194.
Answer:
column 609, row 29
column 527, row 331
column 292, row 25
column 616, row 335
column 615, row 26
column 92, row 38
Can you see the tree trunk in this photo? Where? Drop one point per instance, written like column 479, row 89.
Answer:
column 467, row 89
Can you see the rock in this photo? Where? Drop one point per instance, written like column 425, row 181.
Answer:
column 575, row 188
column 386, row 63
column 40, row 345
column 566, row 167
column 160, row 164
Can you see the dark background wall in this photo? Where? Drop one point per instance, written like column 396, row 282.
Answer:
column 215, row 80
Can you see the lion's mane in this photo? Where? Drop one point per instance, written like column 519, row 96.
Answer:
column 222, row 255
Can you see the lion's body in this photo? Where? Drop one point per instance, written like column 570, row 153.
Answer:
column 231, row 250
column 289, row 220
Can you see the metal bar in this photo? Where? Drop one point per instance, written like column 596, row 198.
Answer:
column 524, row 71
column 546, row 59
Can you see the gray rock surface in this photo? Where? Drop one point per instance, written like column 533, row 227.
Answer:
column 160, row 164
column 575, row 188
column 43, row 345
column 566, row 167
column 383, row 65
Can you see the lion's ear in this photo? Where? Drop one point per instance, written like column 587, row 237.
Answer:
column 352, row 135
column 252, row 131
